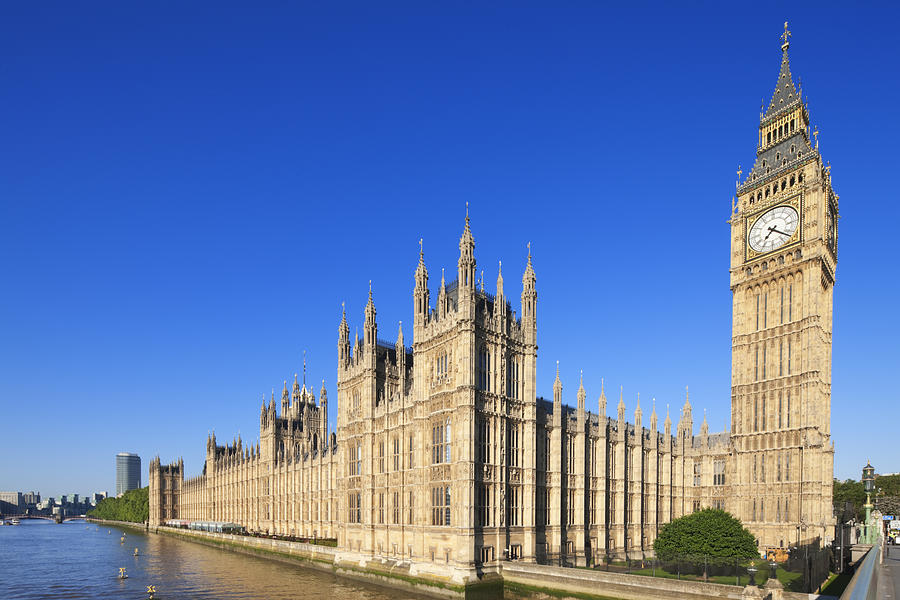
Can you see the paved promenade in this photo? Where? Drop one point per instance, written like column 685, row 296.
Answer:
column 889, row 577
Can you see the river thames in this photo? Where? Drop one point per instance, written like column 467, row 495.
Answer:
column 43, row 560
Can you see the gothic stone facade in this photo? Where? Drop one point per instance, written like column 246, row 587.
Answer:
column 445, row 455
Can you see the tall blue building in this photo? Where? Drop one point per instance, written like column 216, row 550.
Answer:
column 128, row 472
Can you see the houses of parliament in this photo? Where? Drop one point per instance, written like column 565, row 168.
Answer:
column 444, row 454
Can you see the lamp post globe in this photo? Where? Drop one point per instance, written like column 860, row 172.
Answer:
column 868, row 477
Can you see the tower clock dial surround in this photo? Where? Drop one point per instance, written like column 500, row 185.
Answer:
column 773, row 228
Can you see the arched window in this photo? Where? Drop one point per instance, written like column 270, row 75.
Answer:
column 483, row 370
column 512, row 378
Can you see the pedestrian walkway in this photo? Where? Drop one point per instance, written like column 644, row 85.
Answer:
column 889, row 575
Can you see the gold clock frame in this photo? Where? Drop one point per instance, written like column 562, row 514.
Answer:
column 795, row 202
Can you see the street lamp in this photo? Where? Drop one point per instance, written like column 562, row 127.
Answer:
column 868, row 479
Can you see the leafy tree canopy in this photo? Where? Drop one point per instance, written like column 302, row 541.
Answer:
column 710, row 532
column 132, row 506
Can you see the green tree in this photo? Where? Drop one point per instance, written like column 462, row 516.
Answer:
column 133, row 506
column 848, row 497
column 709, row 532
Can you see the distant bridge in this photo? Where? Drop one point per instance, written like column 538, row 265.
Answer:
column 55, row 518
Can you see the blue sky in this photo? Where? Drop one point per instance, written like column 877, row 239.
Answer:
column 189, row 191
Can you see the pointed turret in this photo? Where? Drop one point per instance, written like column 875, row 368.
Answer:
column 421, row 298
column 667, row 425
column 442, row 297
column 581, row 395
column 529, row 294
column 500, row 282
column 638, row 415
column 401, row 358
column 686, row 423
column 295, row 390
column 704, row 427
column 620, row 410
column 369, row 326
column 557, row 389
column 601, row 403
column 466, row 264
column 343, row 339
column 653, row 419
column 285, row 399
column 323, row 414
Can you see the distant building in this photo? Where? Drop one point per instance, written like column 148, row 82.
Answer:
column 10, row 502
column 128, row 472
column 31, row 498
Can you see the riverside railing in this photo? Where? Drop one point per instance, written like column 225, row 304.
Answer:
column 864, row 585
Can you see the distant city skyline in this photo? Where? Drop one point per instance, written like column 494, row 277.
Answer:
column 191, row 200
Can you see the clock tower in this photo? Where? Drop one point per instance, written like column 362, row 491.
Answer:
column 783, row 259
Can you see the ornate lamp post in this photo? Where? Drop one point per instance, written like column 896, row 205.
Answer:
column 868, row 479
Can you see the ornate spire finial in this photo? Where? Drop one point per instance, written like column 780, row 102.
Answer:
column 529, row 253
column 816, row 135
column 442, row 278
column 482, row 280
column 602, row 392
column 421, row 250
column 581, row 378
column 467, row 202
column 370, row 289
column 737, row 184
column 557, row 369
column 785, row 36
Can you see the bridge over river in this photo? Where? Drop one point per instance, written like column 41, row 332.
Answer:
column 55, row 518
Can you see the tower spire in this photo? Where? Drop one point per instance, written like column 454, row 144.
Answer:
column 557, row 387
column 621, row 408
column 466, row 264
column 420, row 293
column 581, row 393
column 785, row 92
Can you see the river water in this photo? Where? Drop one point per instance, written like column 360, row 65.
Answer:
column 42, row 560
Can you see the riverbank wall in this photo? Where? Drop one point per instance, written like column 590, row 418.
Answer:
column 510, row 580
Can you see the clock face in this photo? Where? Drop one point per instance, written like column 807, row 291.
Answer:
column 773, row 229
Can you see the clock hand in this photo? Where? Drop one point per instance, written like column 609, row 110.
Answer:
column 772, row 229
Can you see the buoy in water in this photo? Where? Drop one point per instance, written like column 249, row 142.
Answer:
column 122, row 573
column 135, row 551
column 151, row 589
column 122, row 540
